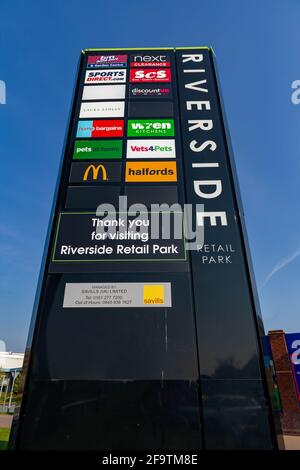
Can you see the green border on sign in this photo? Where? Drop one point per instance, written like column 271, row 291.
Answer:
column 146, row 48
column 105, row 260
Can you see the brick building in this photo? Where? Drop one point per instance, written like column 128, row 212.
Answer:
column 282, row 353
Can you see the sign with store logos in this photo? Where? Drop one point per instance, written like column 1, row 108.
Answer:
column 150, row 128
column 146, row 128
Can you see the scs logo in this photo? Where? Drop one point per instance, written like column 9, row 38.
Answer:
column 150, row 61
column 154, row 75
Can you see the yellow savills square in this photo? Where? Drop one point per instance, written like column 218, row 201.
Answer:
column 154, row 294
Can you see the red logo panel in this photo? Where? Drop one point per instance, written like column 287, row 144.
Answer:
column 150, row 75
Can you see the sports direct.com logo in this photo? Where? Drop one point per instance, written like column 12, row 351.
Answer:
column 150, row 75
column 111, row 76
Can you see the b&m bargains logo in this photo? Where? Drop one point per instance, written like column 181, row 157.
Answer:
column 97, row 61
column 150, row 75
column 149, row 61
column 151, row 148
column 100, row 128
column 106, row 76
column 150, row 91
column 99, row 110
column 151, row 127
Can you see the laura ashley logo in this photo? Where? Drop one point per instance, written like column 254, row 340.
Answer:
column 2, row 92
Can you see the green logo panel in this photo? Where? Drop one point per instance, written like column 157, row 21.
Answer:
column 150, row 128
column 94, row 149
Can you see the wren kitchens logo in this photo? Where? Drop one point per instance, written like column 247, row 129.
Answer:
column 2, row 92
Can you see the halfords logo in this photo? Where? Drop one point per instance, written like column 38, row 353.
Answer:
column 101, row 128
column 151, row 148
column 150, row 91
column 97, row 61
column 150, row 75
column 151, row 127
column 150, row 61
column 105, row 109
column 106, row 76
column 143, row 172
column 94, row 170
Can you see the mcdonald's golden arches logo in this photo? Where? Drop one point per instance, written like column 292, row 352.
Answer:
column 95, row 172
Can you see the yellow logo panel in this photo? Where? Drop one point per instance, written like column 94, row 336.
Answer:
column 154, row 294
column 143, row 172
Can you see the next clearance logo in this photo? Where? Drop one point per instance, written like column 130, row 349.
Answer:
column 150, row 75
column 100, row 128
column 97, row 61
column 106, row 76
column 143, row 172
column 150, row 61
column 151, row 148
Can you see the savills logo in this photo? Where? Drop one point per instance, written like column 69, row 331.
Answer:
column 95, row 172
column 2, row 92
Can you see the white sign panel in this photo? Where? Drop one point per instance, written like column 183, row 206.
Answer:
column 106, row 76
column 105, row 109
column 108, row 92
column 117, row 295
column 151, row 148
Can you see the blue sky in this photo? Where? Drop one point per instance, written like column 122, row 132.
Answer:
column 256, row 44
